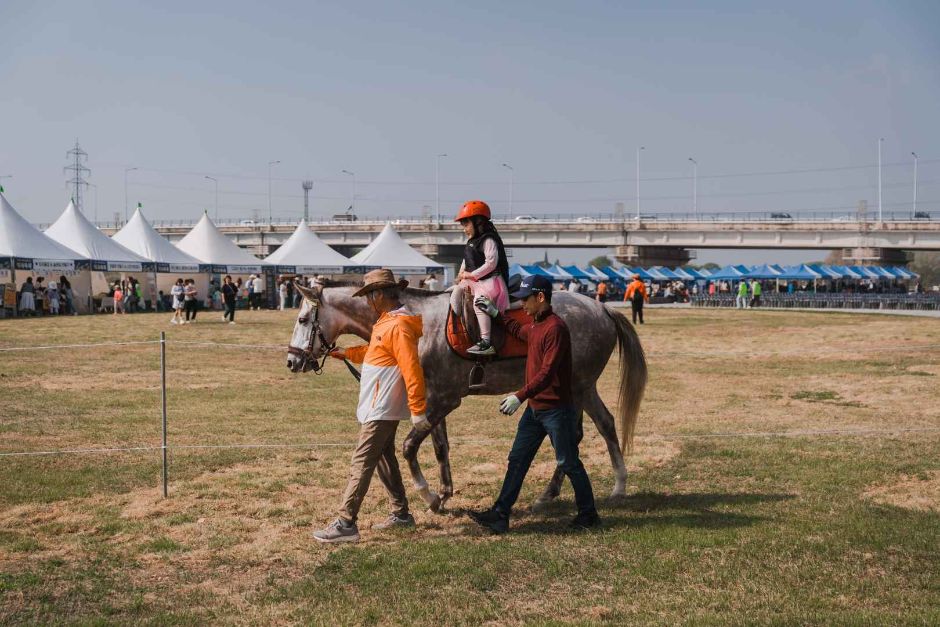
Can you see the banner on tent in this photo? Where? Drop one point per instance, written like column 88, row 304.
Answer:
column 311, row 270
column 178, row 267
column 413, row 270
column 236, row 269
column 51, row 265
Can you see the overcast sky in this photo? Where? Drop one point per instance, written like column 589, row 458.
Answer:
column 781, row 106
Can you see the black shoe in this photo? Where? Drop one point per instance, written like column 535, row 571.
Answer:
column 495, row 521
column 585, row 520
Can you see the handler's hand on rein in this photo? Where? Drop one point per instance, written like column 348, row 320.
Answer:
column 421, row 423
column 485, row 305
column 337, row 353
column 509, row 405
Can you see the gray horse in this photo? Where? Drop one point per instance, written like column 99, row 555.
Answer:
column 330, row 310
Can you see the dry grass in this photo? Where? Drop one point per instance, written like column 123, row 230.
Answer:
column 717, row 527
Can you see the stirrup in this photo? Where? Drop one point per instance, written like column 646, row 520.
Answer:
column 477, row 377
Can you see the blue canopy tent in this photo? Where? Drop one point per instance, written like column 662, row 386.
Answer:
column 558, row 273
column 653, row 274
column 901, row 273
column 685, row 275
column 728, row 273
column 827, row 272
column 669, row 274
column 799, row 273
column 596, row 274
column 702, row 272
column 882, row 272
column 764, row 272
column 578, row 273
column 614, row 274
column 864, row 272
column 846, row 272
column 517, row 269
column 533, row 269
column 646, row 275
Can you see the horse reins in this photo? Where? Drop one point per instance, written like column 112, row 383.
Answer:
column 317, row 333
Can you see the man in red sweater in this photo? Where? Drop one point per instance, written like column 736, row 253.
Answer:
column 550, row 408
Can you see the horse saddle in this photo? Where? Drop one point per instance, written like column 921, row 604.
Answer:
column 463, row 332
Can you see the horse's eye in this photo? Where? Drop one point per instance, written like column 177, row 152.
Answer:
column 303, row 320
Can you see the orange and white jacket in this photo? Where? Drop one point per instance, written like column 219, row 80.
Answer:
column 392, row 384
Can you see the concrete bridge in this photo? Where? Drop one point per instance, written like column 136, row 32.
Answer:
column 664, row 239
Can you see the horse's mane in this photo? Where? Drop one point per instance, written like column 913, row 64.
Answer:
column 410, row 291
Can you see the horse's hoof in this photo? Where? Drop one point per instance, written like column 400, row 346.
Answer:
column 436, row 504
column 541, row 504
column 617, row 497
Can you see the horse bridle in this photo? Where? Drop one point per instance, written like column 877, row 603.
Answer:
column 306, row 354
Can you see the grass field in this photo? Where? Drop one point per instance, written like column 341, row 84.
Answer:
column 837, row 521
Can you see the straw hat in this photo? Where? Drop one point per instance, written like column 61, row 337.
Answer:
column 379, row 279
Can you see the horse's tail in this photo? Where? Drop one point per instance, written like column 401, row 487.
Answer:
column 633, row 377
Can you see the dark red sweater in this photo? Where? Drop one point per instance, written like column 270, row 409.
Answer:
column 548, row 364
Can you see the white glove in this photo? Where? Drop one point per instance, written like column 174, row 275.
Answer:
column 510, row 404
column 485, row 305
column 421, row 423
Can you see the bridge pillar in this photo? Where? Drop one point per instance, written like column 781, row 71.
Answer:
column 867, row 256
column 647, row 256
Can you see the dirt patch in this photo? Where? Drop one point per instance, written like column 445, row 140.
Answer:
column 919, row 492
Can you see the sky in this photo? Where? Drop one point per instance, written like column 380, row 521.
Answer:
column 780, row 104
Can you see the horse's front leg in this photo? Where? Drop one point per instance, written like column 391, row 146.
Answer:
column 442, row 453
column 410, row 452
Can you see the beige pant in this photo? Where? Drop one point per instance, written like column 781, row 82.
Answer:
column 375, row 450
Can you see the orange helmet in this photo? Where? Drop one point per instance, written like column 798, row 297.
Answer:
column 473, row 208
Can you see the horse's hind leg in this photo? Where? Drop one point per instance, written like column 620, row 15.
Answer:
column 410, row 451
column 604, row 421
column 442, row 453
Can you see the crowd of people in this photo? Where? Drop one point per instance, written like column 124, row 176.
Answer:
column 46, row 298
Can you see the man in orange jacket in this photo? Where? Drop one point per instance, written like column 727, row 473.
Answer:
column 636, row 294
column 391, row 389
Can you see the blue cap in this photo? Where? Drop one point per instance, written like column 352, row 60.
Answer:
column 533, row 284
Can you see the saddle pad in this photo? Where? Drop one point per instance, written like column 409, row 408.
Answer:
column 506, row 346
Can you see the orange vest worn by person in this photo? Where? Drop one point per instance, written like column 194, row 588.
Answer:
column 637, row 285
column 392, row 384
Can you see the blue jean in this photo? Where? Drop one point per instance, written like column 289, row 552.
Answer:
column 560, row 426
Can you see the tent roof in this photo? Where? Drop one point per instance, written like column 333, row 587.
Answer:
column 539, row 270
column 864, row 272
column 727, row 273
column 140, row 237
column 655, row 274
column 207, row 244
column 800, row 273
column 520, row 270
column 304, row 249
column 596, row 273
column 559, row 273
column 73, row 230
column 764, row 272
column 826, row 271
column 19, row 238
column 389, row 250
column 612, row 273
column 902, row 273
column 666, row 272
column 685, row 275
column 846, row 272
column 578, row 273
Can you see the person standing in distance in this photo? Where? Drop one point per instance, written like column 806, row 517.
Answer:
column 550, row 409
column 636, row 294
column 391, row 389
column 229, row 297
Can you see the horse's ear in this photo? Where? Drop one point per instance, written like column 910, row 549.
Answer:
column 308, row 293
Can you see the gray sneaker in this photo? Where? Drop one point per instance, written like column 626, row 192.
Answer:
column 337, row 531
column 395, row 521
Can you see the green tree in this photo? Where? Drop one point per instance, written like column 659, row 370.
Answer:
column 927, row 265
column 600, row 262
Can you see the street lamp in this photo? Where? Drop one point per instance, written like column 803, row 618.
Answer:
column 352, row 200
column 880, row 141
column 694, row 187
column 914, row 154
column 216, row 181
column 270, row 215
column 511, row 177
column 638, row 181
column 126, row 170
column 437, row 185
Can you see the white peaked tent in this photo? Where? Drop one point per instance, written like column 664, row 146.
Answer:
column 207, row 244
column 73, row 230
column 140, row 237
column 308, row 254
column 26, row 251
column 389, row 250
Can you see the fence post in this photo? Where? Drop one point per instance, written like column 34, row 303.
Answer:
column 163, row 399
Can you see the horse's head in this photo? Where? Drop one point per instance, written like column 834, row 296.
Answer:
column 310, row 341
